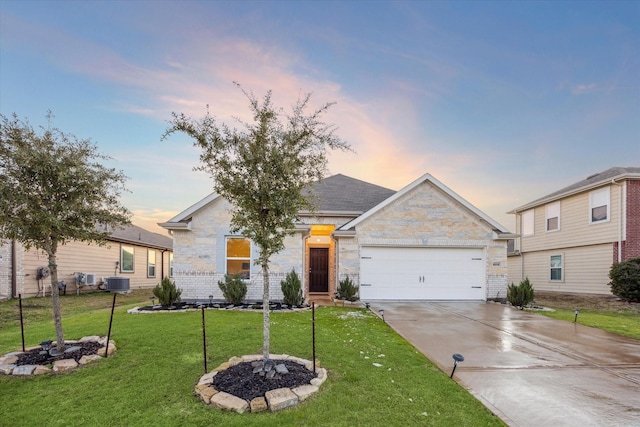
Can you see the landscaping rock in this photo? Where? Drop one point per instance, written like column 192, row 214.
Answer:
column 258, row 404
column 304, row 391
column 280, row 398
column 103, row 350
column 88, row 359
column 64, row 365
column 229, row 402
column 321, row 378
column 6, row 368
column 206, row 392
column 9, row 359
column 40, row 369
column 23, row 370
column 206, row 378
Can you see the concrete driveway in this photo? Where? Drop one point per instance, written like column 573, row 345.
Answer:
column 528, row 369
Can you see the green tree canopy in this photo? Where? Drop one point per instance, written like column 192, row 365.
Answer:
column 55, row 188
column 263, row 169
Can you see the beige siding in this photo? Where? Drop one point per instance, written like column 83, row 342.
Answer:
column 585, row 269
column 575, row 228
column 514, row 268
column 76, row 257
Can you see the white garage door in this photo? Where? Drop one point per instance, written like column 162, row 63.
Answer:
column 396, row 273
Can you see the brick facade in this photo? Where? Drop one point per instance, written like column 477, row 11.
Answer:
column 631, row 245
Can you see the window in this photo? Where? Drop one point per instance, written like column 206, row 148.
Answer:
column 170, row 264
column 556, row 267
column 151, row 263
column 599, row 205
column 238, row 256
column 126, row 259
column 553, row 216
column 527, row 223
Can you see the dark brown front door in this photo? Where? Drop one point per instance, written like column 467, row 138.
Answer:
column 319, row 270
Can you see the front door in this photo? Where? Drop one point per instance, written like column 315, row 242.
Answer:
column 319, row 270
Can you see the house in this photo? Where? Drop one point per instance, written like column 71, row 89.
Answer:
column 133, row 252
column 423, row 242
column 570, row 238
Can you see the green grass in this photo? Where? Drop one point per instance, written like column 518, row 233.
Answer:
column 150, row 379
column 626, row 324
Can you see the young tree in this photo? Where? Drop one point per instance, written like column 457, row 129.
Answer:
column 53, row 189
column 263, row 171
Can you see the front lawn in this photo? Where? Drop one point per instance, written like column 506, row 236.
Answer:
column 626, row 324
column 150, row 379
column 599, row 311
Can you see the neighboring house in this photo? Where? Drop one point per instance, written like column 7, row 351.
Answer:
column 423, row 242
column 570, row 238
column 133, row 252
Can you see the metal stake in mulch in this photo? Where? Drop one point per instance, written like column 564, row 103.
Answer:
column 113, row 306
column 21, row 321
column 204, row 340
column 313, row 332
column 456, row 358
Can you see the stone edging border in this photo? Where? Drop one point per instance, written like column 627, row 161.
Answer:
column 8, row 366
column 136, row 310
column 273, row 400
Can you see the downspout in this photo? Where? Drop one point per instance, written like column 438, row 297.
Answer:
column 613, row 181
column 162, row 264
column 14, row 274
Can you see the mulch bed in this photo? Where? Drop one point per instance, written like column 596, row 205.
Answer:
column 240, row 381
column 33, row 357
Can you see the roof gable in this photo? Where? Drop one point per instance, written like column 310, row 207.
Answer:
column 590, row 182
column 414, row 184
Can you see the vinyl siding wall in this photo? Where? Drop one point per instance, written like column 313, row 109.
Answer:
column 587, row 248
column 575, row 228
column 585, row 270
column 77, row 257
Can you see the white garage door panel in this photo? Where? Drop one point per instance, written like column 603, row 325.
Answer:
column 422, row 273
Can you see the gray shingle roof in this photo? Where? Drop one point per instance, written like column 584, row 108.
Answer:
column 139, row 236
column 345, row 194
column 588, row 182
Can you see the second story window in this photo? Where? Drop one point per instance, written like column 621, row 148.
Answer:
column 553, row 216
column 599, row 205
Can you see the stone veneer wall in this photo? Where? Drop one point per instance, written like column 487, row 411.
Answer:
column 427, row 217
column 5, row 270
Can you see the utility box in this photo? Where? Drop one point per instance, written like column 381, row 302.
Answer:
column 117, row 284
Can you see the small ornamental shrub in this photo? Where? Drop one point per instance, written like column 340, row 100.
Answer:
column 520, row 295
column 347, row 290
column 233, row 288
column 292, row 289
column 625, row 280
column 167, row 293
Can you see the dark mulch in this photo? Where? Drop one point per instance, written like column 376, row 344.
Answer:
column 273, row 306
column 240, row 381
column 33, row 357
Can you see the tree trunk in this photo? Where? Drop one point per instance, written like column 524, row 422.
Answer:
column 55, row 300
column 265, row 310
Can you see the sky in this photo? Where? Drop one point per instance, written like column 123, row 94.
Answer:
column 502, row 101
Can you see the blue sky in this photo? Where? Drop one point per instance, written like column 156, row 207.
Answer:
column 502, row 101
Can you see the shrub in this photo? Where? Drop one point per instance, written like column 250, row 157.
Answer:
column 167, row 293
column 292, row 289
column 520, row 295
column 625, row 280
column 347, row 290
column 233, row 288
